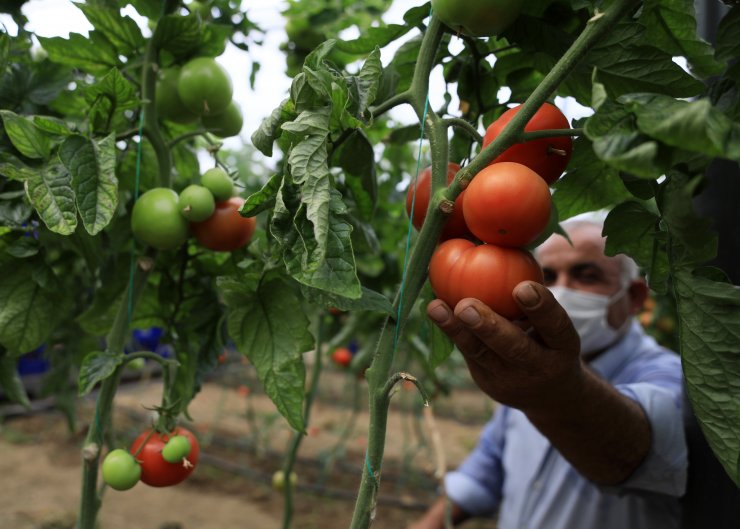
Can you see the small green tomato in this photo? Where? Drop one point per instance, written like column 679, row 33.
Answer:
column 278, row 480
column 120, row 470
column 176, row 448
column 218, row 182
column 196, row 203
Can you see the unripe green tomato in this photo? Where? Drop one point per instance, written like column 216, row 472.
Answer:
column 278, row 480
column 477, row 18
column 167, row 100
column 204, row 86
column 176, row 448
column 120, row 470
column 218, row 182
column 196, row 203
column 226, row 124
column 156, row 219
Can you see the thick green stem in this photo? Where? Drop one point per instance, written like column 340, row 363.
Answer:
column 414, row 278
column 151, row 123
column 90, row 502
column 290, row 457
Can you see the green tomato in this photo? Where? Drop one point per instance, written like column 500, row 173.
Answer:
column 226, row 124
column 218, row 182
column 167, row 101
column 156, row 219
column 204, row 86
column 121, row 470
column 278, row 480
column 176, row 448
column 196, row 203
column 477, row 18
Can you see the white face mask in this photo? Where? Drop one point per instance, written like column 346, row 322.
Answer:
column 588, row 312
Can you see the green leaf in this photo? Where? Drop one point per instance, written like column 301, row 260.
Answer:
column 11, row 382
column 177, row 34
column 93, row 169
column 374, row 37
column 123, row 33
column 267, row 328
column 691, row 125
column 370, row 300
column 30, row 141
column 91, row 53
column 96, row 367
column 368, row 81
column 728, row 45
column 50, row 191
column 671, row 26
column 270, row 128
column 23, row 247
column 51, row 125
column 357, row 158
column 4, row 51
column 632, row 229
column 591, row 184
column 709, row 327
column 263, row 199
column 109, row 98
column 29, row 311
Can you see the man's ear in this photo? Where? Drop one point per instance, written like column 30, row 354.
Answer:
column 638, row 293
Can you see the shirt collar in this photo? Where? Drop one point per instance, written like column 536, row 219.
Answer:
column 608, row 362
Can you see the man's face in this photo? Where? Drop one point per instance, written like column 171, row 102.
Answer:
column 584, row 267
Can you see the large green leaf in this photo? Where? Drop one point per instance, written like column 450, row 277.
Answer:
column 709, row 327
column 92, row 166
column 123, row 33
column 109, row 98
column 269, row 328
column 49, row 189
column 370, row 300
column 30, row 140
column 270, row 128
column 92, row 53
column 671, row 26
column 177, row 34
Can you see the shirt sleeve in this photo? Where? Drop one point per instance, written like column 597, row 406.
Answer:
column 476, row 485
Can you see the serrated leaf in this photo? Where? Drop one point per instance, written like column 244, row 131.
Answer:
column 177, row 34
column 11, row 382
column 91, row 53
column 96, row 367
column 709, row 327
column 267, row 329
column 270, row 128
column 25, row 136
column 109, row 98
column 49, row 189
column 123, row 33
column 589, row 186
column 370, row 300
column 28, row 312
column 671, row 26
column 263, row 199
column 92, row 166
column 369, row 79
column 632, row 229
column 633, row 153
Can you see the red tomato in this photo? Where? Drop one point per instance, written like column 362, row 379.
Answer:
column 507, row 204
column 342, row 356
column 157, row 472
column 455, row 225
column 226, row 230
column 486, row 272
column 441, row 263
column 548, row 157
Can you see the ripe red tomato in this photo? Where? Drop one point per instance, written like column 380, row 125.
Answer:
column 226, row 230
column 507, row 204
column 441, row 263
column 486, row 272
column 548, row 157
column 157, row 472
column 341, row 356
column 455, row 225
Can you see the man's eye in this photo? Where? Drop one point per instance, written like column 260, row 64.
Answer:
column 549, row 276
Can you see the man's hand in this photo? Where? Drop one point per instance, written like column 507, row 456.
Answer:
column 511, row 363
column 536, row 367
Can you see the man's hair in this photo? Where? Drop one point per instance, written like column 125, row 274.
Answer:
column 629, row 270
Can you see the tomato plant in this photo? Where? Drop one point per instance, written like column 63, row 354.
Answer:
column 120, row 470
column 226, row 230
column 507, row 204
column 225, row 124
column 477, row 18
column 455, row 224
column 156, row 219
column 204, row 86
column 155, row 470
column 548, row 157
column 486, row 272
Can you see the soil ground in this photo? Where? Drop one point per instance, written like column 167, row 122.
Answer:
column 243, row 441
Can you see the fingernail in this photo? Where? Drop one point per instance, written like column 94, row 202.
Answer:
column 469, row 316
column 439, row 313
column 528, row 296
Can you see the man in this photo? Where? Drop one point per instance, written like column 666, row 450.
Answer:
column 590, row 432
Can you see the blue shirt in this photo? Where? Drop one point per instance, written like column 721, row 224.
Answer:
column 515, row 473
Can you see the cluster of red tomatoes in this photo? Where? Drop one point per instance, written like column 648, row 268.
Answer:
column 507, row 206
column 157, row 459
column 200, row 89
column 163, row 219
